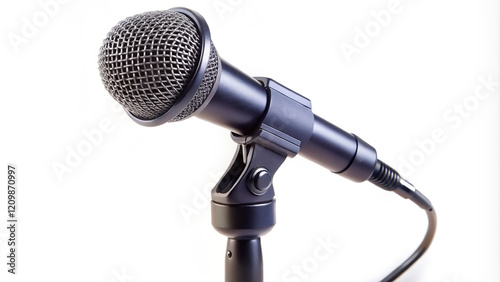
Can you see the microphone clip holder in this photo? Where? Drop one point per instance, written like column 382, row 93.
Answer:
column 243, row 203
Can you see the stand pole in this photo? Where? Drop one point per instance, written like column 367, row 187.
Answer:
column 244, row 260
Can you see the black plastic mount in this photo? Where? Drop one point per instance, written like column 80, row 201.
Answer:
column 243, row 204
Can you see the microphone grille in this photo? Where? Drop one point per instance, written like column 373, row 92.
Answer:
column 147, row 61
column 207, row 83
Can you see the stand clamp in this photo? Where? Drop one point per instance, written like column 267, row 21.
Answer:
column 243, row 204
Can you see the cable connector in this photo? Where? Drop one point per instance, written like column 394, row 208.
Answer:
column 389, row 179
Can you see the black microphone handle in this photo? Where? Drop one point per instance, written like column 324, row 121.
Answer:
column 239, row 104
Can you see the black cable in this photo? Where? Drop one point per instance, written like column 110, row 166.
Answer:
column 426, row 242
column 389, row 179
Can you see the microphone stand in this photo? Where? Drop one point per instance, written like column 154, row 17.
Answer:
column 243, row 209
column 243, row 203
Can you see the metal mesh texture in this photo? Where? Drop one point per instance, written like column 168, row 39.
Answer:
column 207, row 83
column 147, row 61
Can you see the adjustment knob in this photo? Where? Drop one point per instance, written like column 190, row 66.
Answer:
column 260, row 181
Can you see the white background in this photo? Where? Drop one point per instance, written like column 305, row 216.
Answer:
column 115, row 215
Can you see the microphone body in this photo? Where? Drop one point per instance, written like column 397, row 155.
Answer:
column 240, row 103
column 163, row 67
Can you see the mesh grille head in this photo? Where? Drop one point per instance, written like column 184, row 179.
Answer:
column 205, row 88
column 148, row 61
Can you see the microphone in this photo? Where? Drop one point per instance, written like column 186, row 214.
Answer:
column 162, row 66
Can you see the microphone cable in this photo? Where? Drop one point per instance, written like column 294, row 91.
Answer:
column 426, row 242
column 389, row 179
